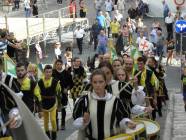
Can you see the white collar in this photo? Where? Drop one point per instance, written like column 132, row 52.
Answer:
column 111, row 82
column 107, row 96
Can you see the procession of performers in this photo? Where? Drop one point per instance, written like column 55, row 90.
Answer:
column 116, row 93
column 141, row 92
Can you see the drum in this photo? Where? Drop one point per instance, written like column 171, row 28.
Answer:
column 152, row 128
column 142, row 115
column 6, row 138
column 139, row 133
column 120, row 137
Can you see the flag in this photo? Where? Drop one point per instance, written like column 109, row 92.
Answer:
column 134, row 53
column 112, row 50
column 9, row 65
column 39, row 70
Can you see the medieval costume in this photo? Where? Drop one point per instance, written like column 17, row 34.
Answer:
column 66, row 83
column 162, row 91
column 78, row 75
column 31, row 96
column 49, row 89
column 131, row 99
column 25, row 131
column 107, row 115
column 149, row 81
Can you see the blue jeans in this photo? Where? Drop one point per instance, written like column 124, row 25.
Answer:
column 159, row 49
column 102, row 49
column 27, row 12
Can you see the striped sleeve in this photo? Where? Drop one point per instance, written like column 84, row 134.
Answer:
column 121, row 111
column 80, row 107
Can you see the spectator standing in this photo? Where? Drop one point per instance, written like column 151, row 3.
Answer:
column 79, row 34
column 165, row 9
column 35, row 9
column 16, row 4
column 108, row 20
column 160, row 42
column 102, row 43
column 27, row 8
column 153, row 38
column 39, row 52
column 121, row 6
column 119, row 43
column 101, row 20
column 72, row 8
column 125, row 32
column 57, row 50
column 108, row 7
column 169, row 21
column 118, row 16
column 83, row 10
column 11, row 50
column 98, row 4
column 95, row 32
column 115, row 27
column 132, row 12
column 4, row 43
column 68, row 56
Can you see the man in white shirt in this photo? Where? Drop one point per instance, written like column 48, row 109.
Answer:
column 118, row 16
column 169, row 21
column 79, row 34
column 27, row 8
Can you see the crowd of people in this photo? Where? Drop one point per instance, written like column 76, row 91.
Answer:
column 113, row 91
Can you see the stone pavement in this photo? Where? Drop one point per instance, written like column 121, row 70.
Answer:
column 175, row 123
column 179, row 119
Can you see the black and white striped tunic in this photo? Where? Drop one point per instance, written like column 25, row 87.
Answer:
column 10, row 81
column 105, row 115
column 124, row 95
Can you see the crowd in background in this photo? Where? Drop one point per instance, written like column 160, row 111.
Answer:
column 140, row 73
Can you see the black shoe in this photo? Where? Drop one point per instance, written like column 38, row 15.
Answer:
column 54, row 135
column 48, row 134
column 160, row 113
column 63, row 127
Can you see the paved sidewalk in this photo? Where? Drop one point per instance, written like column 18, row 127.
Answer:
column 175, row 122
column 179, row 119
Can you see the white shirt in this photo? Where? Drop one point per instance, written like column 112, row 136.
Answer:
column 169, row 19
column 27, row 4
column 57, row 51
column 139, row 39
column 79, row 33
column 108, row 6
column 118, row 17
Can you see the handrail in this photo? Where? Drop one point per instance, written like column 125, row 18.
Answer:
column 57, row 11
